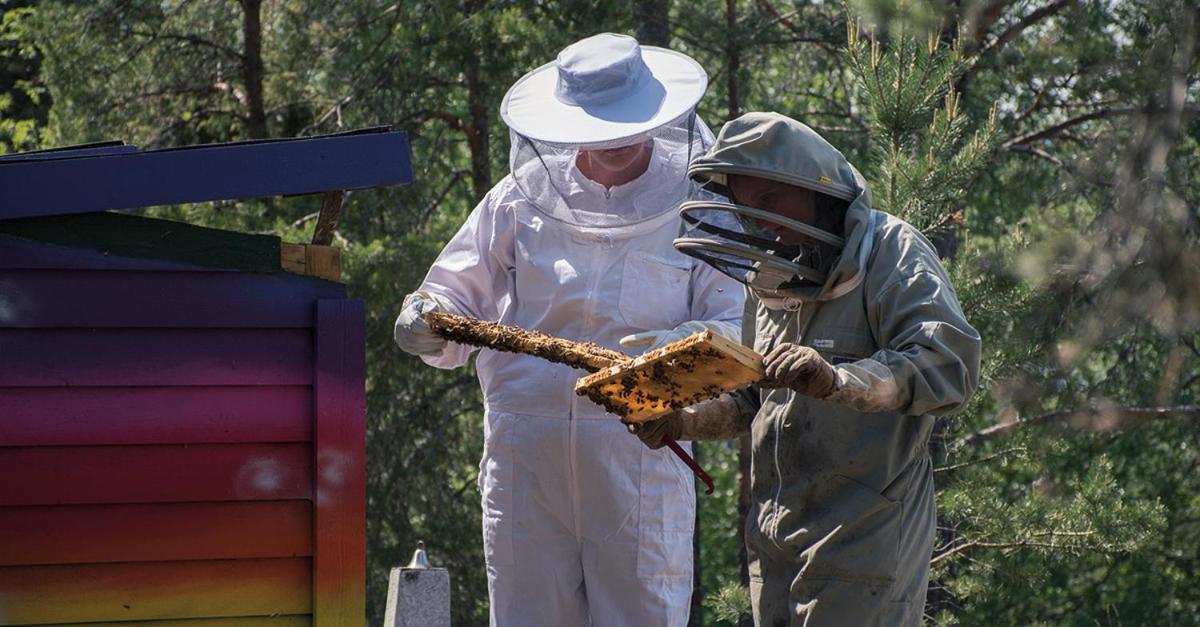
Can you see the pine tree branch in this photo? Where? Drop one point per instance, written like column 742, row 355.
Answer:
column 336, row 109
column 1041, row 154
column 1014, row 30
column 1026, row 22
column 1026, row 543
column 981, row 460
column 982, row 18
column 1086, row 419
column 1066, row 124
column 839, row 129
column 190, row 39
column 1192, row 344
column 1058, row 129
column 785, row 20
column 450, row 119
column 1038, row 99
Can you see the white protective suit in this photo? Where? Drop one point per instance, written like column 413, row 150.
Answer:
column 581, row 522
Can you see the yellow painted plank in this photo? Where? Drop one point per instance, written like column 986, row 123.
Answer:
column 295, row 620
column 83, row 593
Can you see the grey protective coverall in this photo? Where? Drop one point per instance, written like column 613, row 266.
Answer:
column 842, row 523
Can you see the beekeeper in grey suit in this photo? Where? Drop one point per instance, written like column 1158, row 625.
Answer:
column 864, row 344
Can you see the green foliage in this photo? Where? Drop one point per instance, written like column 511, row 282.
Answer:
column 730, row 605
column 924, row 157
column 23, row 102
column 719, row 521
column 1044, row 520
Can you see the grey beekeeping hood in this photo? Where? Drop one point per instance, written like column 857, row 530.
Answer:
column 775, row 147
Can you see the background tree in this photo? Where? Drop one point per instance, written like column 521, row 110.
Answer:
column 23, row 101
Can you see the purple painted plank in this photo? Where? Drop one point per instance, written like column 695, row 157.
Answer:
column 77, row 475
column 23, row 254
column 135, row 357
column 339, row 554
column 53, row 298
column 154, row 415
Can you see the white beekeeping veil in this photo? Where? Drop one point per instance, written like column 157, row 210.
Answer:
column 601, row 93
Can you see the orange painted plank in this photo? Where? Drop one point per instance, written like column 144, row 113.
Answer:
column 31, row 595
column 51, row 475
column 42, row 416
column 339, row 395
column 296, row 620
column 80, row 534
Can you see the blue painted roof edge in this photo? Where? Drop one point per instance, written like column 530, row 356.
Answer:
column 57, row 184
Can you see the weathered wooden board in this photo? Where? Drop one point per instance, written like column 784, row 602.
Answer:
column 696, row 368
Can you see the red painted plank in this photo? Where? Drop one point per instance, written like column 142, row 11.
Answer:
column 54, row 298
column 154, row 590
column 81, row 534
column 340, row 525
column 131, row 357
column 50, row 475
column 42, row 416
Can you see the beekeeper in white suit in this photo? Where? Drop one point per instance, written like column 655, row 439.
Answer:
column 581, row 523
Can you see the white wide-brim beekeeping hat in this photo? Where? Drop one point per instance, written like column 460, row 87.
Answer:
column 603, row 90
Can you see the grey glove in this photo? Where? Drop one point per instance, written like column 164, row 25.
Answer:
column 412, row 333
column 799, row 368
column 653, row 433
column 718, row 419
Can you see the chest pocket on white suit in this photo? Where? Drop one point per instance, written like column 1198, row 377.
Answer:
column 654, row 291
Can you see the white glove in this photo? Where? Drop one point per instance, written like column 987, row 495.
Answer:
column 656, row 339
column 413, row 334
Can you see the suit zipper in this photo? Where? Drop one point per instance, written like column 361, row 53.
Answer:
column 588, row 328
column 800, row 320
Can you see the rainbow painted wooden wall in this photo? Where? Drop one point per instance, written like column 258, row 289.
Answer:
column 180, row 441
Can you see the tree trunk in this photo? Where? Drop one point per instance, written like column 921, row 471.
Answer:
column 476, row 127
column 733, row 59
column 733, row 64
column 477, row 132
column 653, row 22
column 252, row 69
